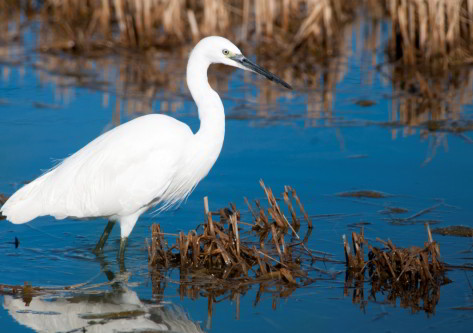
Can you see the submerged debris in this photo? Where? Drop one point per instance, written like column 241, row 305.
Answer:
column 454, row 230
column 394, row 210
column 410, row 274
column 363, row 194
column 365, row 102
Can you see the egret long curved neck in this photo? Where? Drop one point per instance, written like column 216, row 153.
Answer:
column 209, row 104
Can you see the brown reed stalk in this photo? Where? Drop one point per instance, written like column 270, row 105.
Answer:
column 301, row 207
column 208, row 215
column 295, row 220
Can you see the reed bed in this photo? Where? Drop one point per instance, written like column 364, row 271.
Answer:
column 93, row 24
column 410, row 274
column 423, row 31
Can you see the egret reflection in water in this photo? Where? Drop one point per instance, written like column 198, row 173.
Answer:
column 118, row 310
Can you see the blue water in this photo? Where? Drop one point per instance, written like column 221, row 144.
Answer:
column 318, row 158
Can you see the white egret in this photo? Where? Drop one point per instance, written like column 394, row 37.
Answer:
column 151, row 160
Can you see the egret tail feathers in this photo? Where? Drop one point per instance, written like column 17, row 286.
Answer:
column 24, row 205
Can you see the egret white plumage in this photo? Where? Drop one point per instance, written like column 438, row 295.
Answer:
column 149, row 161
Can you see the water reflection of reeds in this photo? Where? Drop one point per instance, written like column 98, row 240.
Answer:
column 11, row 50
column 426, row 101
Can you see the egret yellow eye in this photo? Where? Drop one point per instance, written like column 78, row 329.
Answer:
column 225, row 52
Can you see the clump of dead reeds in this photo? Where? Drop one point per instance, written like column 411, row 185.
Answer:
column 229, row 255
column 410, row 274
column 233, row 249
column 436, row 32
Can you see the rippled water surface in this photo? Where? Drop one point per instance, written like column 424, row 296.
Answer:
column 352, row 123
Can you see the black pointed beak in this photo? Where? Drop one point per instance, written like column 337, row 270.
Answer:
column 239, row 58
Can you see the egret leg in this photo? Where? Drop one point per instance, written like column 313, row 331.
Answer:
column 121, row 254
column 103, row 238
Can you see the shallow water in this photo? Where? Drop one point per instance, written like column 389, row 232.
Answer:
column 318, row 139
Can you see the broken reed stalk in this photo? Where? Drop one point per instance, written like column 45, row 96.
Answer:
column 208, row 215
column 301, row 207
column 295, row 220
column 234, row 222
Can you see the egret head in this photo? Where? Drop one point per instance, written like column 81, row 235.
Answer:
column 221, row 50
